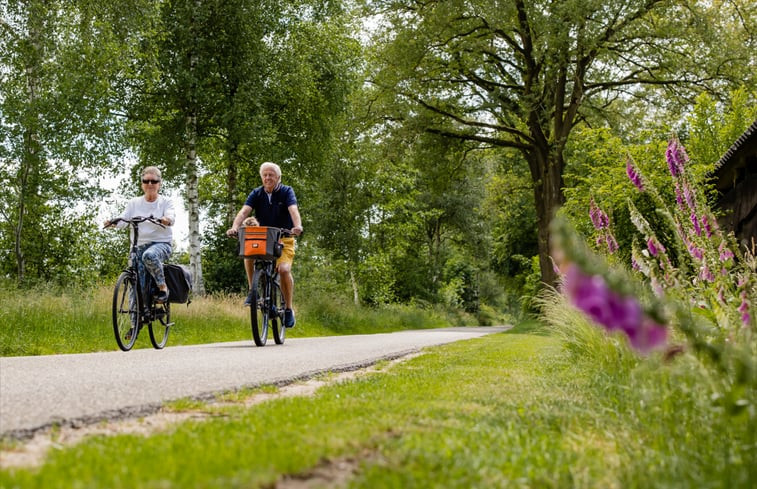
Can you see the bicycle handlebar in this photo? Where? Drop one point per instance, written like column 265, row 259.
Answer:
column 134, row 221
column 284, row 232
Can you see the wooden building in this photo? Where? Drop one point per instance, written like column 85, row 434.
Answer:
column 735, row 177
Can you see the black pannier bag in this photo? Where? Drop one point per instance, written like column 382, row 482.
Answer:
column 179, row 282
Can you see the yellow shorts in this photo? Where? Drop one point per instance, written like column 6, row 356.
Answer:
column 287, row 254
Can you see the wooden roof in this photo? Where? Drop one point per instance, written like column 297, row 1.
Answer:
column 750, row 133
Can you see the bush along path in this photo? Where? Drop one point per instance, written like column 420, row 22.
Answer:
column 508, row 410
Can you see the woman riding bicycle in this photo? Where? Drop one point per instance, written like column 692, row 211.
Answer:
column 274, row 205
column 154, row 245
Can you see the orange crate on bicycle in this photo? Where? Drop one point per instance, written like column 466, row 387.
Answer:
column 260, row 242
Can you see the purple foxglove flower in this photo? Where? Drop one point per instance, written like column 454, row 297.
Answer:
column 598, row 216
column 591, row 295
column 725, row 253
column 612, row 245
column 633, row 175
column 707, row 227
column 676, row 157
column 688, row 196
column 654, row 247
column 706, row 275
column 648, row 336
column 625, row 314
column 695, row 252
column 695, row 222
column 679, row 196
column 635, row 265
column 588, row 293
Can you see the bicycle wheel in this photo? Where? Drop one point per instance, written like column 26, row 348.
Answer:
column 125, row 312
column 161, row 325
column 277, row 314
column 259, row 308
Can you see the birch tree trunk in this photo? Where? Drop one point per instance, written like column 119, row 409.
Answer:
column 193, row 208
column 192, row 192
column 31, row 162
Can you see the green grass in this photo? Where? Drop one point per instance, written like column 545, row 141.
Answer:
column 43, row 322
column 507, row 410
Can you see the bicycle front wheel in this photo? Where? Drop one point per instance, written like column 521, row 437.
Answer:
column 259, row 308
column 277, row 314
column 125, row 311
column 161, row 325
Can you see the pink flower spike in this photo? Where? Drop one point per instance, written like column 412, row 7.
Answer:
column 649, row 336
column 695, row 222
column 633, row 175
column 612, row 245
column 654, row 247
column 679, row 197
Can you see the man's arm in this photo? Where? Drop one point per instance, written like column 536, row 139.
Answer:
column 241, row 216
column 294, row 212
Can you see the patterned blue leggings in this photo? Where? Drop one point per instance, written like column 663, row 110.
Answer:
column 150, row 257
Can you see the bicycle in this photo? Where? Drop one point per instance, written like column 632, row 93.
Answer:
column 268, row 305
column 133, row 307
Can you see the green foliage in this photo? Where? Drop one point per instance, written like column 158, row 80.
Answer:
column 223, row 270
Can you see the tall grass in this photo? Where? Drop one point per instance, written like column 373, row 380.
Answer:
column 673, row 428
column 46, row 321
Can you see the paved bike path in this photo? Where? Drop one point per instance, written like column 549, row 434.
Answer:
column 38, row 391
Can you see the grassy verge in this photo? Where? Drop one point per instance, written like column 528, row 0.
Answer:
column 507, row 410
column 42, row 322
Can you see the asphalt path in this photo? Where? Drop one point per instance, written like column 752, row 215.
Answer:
column 40, row 391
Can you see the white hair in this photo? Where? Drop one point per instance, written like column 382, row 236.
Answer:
column 271, row 165
column 152, row 169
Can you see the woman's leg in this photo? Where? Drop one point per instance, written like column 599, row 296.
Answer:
column 153, row 257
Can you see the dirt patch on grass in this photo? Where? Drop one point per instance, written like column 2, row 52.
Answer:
column 31, row 452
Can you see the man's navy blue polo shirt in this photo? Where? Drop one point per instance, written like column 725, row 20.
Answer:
column 275, row 212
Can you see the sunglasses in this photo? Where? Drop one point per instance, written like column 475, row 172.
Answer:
column 151, row 181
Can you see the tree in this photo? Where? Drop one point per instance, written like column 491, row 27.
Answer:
column 61, row 127
column 523, row 74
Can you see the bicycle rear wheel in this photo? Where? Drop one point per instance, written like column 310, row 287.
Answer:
column 125, row 311
column 259, row 308
column 277, row 314
column 161, row 325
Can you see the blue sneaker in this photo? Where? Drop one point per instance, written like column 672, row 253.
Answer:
column 289, row 318
column 248, row 300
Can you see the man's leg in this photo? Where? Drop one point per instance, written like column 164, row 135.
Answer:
column 249, row 268
column 287, row 280
column 287, row 283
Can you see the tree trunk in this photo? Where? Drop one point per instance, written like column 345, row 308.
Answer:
column 546, row 171
column 29, row 172
column 353, row 282
column 193, row 209
column 193, row 199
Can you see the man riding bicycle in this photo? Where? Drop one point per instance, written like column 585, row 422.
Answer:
column 274, row 205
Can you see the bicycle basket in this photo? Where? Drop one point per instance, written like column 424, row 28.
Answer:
column 259, row 242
